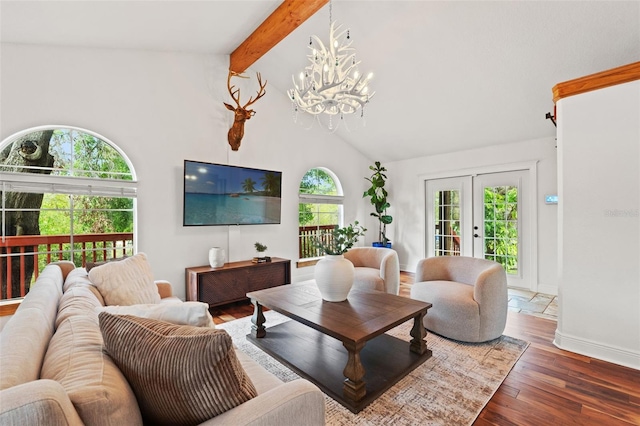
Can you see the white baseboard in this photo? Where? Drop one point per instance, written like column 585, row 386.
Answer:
column 405, row 268
column 548, row 289
column 597, row 350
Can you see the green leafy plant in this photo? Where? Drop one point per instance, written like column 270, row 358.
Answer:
column 342, row 239
column 260, row 248
column 378, row 197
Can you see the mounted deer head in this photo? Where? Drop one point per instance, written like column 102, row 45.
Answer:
column 242, row 114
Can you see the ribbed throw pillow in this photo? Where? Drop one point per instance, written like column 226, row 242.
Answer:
column 180, row 374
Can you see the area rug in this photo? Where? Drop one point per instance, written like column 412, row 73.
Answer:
column 450, row 388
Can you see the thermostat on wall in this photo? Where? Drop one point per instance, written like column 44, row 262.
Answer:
column 551, row 199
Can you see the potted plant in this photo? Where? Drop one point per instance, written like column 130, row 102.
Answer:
column 378, row 197
column 261, row 248
column 342, row 239
column 334, row 273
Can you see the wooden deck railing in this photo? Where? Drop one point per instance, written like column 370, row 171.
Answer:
column 86, row 248
column 308, row 235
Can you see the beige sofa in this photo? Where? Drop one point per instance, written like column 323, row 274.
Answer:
column 54, row 369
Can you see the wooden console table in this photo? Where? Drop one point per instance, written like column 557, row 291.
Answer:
column 232, row 282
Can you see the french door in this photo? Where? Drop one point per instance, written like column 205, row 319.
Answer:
column 484, row 216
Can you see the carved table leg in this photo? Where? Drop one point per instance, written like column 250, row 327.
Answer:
column 257, row 319
column 418, row 344
column 354, row 387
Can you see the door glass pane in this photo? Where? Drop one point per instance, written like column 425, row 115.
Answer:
column 501, row 226
column 447, row 223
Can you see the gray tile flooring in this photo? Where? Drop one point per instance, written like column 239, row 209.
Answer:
column 531, row 303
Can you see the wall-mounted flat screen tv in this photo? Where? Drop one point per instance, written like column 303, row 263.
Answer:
column 219, row 194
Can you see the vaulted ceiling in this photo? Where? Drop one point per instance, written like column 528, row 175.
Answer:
column 449, row 75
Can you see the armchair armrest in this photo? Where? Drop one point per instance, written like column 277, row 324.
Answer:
column 164, row 288
column 298, row 402
column 390, row 272
column 37, row 403
column 431, row 269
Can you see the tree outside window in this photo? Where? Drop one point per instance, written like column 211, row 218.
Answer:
column 66, row 194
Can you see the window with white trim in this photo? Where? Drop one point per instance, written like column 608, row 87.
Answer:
column 66, row 194
column 319, row 211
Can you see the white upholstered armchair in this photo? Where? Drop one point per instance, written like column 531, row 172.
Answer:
column 469, row 297
column 376, row 268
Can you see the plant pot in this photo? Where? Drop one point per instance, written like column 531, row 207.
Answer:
column 334, row 277
column 216, row 257
column 381, row 244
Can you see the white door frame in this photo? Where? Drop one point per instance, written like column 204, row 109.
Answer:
column 531, row 168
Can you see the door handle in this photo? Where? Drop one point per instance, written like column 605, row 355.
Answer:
column 476, row 235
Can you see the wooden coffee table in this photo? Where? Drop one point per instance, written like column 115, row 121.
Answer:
column 342, row 346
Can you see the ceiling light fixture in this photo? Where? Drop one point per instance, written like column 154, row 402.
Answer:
column 331, row 84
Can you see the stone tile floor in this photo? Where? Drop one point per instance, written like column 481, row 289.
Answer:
column 531, row 303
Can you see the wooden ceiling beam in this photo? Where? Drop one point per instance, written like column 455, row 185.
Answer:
column 600, row 80
column 286, row 18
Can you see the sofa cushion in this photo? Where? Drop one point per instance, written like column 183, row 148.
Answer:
column 127, row 282
column 24, row 338
column 180, row 374
column 75, row 359
column 80, row 278
column 181, row 313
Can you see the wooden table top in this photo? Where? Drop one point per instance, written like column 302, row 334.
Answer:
column 363, row 316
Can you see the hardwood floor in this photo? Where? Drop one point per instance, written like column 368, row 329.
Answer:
column 547, row 386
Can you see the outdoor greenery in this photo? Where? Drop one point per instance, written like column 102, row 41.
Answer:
column 501, row 226
column 319, row 182
column 343, row 239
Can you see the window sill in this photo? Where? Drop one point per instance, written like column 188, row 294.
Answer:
column 307, row 262
column 9, row 307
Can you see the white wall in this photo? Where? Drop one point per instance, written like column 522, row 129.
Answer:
column 599, row 212
column 162, row 108
column 407, row 196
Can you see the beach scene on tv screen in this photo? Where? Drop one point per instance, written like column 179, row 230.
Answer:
column 226, row 195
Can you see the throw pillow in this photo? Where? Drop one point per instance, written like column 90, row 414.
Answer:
column 127, row 282
column 181, row 313
column 90, row 265
column 180, row 374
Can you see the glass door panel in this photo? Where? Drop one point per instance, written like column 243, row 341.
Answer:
column 501, row 232
column 448, row 218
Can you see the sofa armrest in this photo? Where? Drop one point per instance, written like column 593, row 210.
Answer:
column 298, row 402
column 37, row 403
column 164, row 288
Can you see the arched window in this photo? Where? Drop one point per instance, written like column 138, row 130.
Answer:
column 67, row 194
column 320, row 209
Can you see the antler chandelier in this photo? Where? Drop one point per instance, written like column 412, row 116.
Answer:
column 331, row 83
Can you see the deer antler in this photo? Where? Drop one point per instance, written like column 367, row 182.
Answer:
column 261, row 92
column 232, row 92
